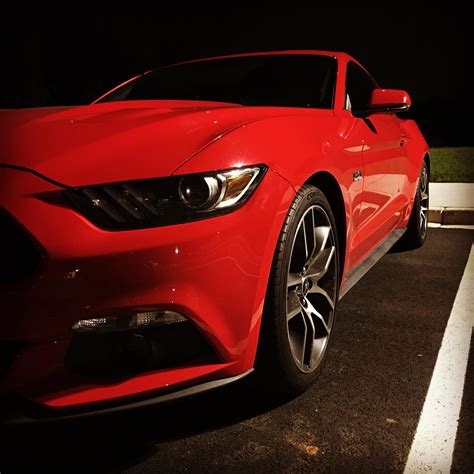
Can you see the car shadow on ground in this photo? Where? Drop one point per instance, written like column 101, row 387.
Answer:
column 117, row 441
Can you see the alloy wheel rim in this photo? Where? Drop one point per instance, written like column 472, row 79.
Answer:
column 424, row 200
column 311, row 288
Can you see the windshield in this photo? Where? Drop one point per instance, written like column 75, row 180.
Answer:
column 271, row 80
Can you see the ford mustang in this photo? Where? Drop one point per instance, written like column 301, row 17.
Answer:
column 194, row 223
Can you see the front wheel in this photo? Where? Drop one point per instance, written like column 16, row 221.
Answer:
column 300, row 305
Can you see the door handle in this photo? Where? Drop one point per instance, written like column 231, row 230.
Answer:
column 403, row 141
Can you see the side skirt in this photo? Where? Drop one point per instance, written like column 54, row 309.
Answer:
column 372, row 258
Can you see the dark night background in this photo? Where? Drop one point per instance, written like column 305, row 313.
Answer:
column 73, row 60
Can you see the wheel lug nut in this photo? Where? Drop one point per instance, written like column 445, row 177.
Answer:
column 304, row 302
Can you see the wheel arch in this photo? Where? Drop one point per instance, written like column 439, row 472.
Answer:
column 328, row 184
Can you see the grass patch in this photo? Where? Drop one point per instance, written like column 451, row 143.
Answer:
column 452, row 165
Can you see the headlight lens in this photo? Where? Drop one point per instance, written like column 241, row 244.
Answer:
column 166, row 201
column 200, row 192
column 222, row 190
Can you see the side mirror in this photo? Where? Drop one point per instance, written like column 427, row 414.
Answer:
column 386, row 101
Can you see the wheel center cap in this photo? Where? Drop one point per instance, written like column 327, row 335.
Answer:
column 306, row 286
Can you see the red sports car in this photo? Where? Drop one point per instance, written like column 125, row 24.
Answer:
column 197, row 221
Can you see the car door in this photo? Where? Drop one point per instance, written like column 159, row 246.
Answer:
column 385, row 163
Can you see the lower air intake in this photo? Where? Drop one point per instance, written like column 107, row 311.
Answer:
column 125, row 352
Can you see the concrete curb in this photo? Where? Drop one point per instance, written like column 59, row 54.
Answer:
column 451, row 215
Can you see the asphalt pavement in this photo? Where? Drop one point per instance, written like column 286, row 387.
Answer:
column 360, row 415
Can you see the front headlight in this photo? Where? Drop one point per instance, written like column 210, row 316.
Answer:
column 165, row 201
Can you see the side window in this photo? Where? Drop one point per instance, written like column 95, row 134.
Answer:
column 359, row 87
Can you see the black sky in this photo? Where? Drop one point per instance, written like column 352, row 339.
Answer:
column 75, row 59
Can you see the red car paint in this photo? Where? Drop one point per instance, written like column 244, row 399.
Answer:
column 215, row 271
column 388, row 96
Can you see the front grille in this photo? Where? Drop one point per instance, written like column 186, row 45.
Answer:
column 8, row 352
column 20, row 254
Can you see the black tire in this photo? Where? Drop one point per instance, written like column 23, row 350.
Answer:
column 417, row 228
column 278, row 363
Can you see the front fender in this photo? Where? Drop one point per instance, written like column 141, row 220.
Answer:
column 295, row 148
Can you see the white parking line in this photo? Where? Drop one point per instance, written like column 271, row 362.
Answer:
column 433, row 445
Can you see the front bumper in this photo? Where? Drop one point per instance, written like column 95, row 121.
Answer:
column 21, row 412
column 213, row 271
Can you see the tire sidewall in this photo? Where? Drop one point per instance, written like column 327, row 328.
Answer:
column 309, row 197
column 421, row 235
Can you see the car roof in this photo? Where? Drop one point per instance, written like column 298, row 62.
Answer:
column 335, row 54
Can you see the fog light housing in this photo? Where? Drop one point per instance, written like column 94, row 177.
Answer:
column 123, row 345
column 126, row 323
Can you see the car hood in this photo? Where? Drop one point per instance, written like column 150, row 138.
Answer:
column 116, row 141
